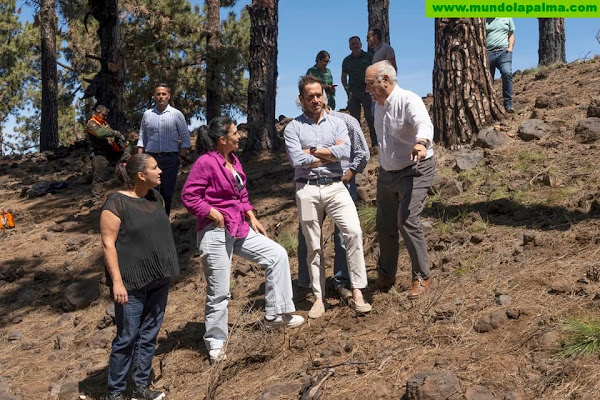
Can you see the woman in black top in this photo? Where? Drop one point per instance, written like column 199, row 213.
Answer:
column 140, row 258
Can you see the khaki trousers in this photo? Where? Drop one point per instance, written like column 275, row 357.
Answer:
column 313, row 202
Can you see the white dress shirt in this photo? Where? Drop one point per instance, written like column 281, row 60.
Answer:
column 399, row 122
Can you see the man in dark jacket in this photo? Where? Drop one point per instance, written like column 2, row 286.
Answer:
column 106, row 145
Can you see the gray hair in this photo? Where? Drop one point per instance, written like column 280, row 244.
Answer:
column 385, row 68
column 101, row 108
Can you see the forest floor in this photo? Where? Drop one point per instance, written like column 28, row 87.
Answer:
column 513, row 243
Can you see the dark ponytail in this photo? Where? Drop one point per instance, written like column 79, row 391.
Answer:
column 129, row 166
column 208, row 136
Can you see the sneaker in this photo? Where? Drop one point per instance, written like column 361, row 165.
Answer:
column 143, row 392
column 115, row 396
column 510, row 110
column 284, row 320
column 217, row 355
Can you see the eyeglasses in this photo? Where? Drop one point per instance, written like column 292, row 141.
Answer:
column 326, row 61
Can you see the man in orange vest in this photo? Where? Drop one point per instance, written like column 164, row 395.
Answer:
column 106, row 144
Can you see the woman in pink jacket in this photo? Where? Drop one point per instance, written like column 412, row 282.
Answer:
column 215, row 192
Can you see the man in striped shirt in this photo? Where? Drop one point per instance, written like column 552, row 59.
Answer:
column 162, row 130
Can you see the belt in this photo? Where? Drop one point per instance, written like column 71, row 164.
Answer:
column 319, row 181
column 161, row 153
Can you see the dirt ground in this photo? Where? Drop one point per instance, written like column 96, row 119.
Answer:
column 513, row 240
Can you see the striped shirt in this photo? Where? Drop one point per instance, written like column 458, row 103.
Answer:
column 303, row 133
column 160, row 132
column 359, row 150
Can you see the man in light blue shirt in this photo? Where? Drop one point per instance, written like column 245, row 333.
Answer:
column 315, row 142
column 165, row 136
column 500, row 41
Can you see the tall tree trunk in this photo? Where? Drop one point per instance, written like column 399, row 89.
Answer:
column 551, row 48
column 107, row 85
column 49, row 124
column 463, row 91
column 264, row 18
column 213, row 41
column 379, row 17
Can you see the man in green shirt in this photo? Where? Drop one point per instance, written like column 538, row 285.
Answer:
column 500, row 42
column 353, row 79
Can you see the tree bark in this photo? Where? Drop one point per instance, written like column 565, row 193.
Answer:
column 107, row 86
column 49, row 123
column 264, row 18
column 463, row 93
column 213, row 43
column 378, row 11
column 552, row 39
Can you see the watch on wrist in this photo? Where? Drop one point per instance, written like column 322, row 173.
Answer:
column 422, row 143
column 312, row 150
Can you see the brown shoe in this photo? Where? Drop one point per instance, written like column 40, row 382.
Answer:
column 419, row 287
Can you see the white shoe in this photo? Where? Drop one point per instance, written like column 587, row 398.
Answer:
column 217, row 355
column 285, row 320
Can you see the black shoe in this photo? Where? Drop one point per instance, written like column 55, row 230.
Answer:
column 384, row 282
column 115, row 396
column 144, row 393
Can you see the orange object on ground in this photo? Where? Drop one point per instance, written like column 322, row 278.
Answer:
column 7, row 219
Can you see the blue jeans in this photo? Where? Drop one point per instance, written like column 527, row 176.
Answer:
column 216, row 247
column 502, row 59
column 169, row 164
column 138, row 324
column 340, row 264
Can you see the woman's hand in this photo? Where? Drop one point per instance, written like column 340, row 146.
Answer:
column 120, row 293
column 216, row 216
column 255, row 224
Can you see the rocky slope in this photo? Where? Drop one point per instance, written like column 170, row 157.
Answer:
column 513, row 234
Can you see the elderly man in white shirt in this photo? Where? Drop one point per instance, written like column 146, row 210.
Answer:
column 405, row 135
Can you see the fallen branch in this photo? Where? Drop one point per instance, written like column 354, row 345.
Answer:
column 313, row 392
column 341, row 364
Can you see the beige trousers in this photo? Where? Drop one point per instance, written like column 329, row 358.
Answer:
column 334, row 199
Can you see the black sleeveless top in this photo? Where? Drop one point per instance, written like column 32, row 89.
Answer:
column 145, row 247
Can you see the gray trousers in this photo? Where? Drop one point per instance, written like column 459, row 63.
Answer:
column 216, row 247
column 99, row 166
column 401, row 197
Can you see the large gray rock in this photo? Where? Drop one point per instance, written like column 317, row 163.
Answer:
column 479, row 392
column 433, row 385
column 467, row 159
column 534, row 129
column 588, row 130
column 451, row 188
column 80, row 294
column 489, row 138
column 594, row 109
column 75, row 243
column 490, row 322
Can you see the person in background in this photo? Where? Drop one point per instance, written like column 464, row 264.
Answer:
column 381, row 50
column 162, row 128
column 323, row 74
column 215, row 192
column 140, row 257
column 500, row 41
column 315, row 142
column 406, row 170
column 353, row 80
column 106, row 146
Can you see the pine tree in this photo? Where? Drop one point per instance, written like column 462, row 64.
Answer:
column 552, row 39
column 463, row 91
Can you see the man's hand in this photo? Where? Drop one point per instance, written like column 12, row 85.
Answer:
column 418, row 153
column 110, row 140
column 348, row 175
